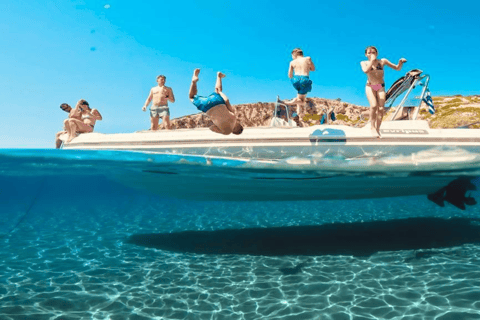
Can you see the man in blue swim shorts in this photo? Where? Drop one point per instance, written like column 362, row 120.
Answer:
column 216, row 106
column 160, row 95
column 299, row 72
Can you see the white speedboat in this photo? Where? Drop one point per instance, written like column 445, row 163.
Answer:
column 318, row 162
column 274, row 143
column 287, row 141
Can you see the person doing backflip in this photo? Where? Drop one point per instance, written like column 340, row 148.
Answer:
column 216, row 106
column 375, row 88
column 299, row 73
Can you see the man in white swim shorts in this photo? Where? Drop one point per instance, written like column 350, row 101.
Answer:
column 160, row 95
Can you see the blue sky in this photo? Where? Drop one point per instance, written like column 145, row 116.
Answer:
column 110, row 52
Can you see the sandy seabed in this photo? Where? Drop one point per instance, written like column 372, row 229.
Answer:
column 65, row 255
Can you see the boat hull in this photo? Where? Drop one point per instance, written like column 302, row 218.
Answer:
column 265, row 143
column 265, row 187
column 314, row 163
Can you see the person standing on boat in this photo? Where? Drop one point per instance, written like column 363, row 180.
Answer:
column 217, row 106
column 375, row 88
column 299, row 73
column 160, row 95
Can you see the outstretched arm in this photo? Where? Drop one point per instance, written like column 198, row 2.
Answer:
column 149, row 99
column 395, row 66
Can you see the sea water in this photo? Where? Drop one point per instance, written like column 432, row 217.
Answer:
column 84, row 237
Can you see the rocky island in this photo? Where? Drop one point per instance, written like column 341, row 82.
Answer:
column 451, row 112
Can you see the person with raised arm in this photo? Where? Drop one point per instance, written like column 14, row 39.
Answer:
column 375, row 87
column 87, row 120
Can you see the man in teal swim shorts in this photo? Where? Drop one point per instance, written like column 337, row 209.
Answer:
column 299, row 72
column 216, row 106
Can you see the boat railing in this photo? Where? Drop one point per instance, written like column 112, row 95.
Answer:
column 361, row 118
column 422, row 81
column 277, row 120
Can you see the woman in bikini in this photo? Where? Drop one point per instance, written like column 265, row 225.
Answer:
column 375, row 88
column 86, row 124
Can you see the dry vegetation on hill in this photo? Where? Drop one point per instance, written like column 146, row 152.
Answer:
column 454, row 111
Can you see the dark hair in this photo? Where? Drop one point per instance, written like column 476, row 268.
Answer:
column 83, row 102
column 238, row 129
column 297, row 51
column 65, row 107
column 371, row 47
column 162, row 76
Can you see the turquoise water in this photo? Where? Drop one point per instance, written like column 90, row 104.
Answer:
column 119, row 235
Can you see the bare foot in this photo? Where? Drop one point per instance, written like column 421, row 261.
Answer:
column 70, row 138
column 196, row 72
column 219, row 74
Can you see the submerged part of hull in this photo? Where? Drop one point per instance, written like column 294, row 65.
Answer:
column 245, row 185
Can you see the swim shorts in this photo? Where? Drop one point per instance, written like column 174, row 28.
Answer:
column 302, row 84
column 159, row 111
column 206, row 103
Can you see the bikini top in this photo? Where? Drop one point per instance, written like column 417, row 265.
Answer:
column 86, row 116
column 377, row 67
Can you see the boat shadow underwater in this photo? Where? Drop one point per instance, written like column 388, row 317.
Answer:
column 359, row 239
